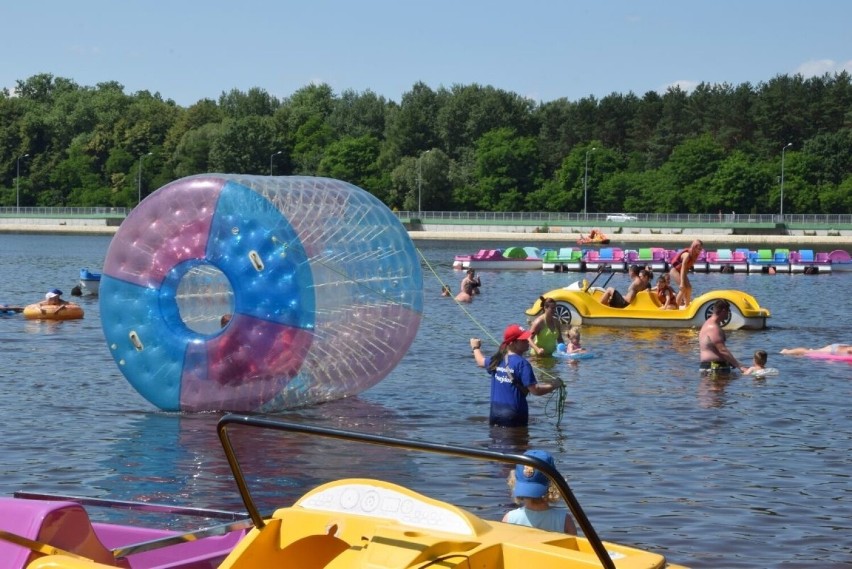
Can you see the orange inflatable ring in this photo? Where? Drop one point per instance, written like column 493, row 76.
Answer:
column 67, row 311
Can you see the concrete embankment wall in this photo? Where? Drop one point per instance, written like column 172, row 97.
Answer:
column 521, row 235
column 71, row 225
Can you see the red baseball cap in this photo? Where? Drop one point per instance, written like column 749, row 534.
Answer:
column 513, row 332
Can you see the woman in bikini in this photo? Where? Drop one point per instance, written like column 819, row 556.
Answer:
column 545, row 330
column 679, row 273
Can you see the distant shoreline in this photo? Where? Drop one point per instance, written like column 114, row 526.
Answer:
column 679, row 239
column 57, row 229
column 528, row 238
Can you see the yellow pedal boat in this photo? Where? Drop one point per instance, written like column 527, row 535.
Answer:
column 579, row 304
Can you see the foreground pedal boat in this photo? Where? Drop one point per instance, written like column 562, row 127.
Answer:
column 374, row 524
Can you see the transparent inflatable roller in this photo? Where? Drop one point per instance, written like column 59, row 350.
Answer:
column 254, row 293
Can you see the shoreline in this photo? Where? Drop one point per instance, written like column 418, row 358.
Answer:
column 570, row 240
column 524, row 238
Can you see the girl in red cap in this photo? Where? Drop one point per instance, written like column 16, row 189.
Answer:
column 512, row 377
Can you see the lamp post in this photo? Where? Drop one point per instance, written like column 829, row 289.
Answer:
column 139, row 184
column 420, row 179
column 273, row 155
column 586, row 185
column 788, row 145
column 18, row 185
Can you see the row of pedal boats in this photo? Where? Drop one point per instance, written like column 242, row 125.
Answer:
column 576, row 259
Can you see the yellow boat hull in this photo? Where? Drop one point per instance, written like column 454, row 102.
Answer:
column 370, row 523
column 579, row 304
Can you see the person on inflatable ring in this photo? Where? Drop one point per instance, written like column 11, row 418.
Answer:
column 53, row 297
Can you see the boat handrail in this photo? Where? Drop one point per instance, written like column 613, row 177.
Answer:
column 597, row 276
column 238, row 521
column 190, row 536
column 135, row 506
column 451, row 450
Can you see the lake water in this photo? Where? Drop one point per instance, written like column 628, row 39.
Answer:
column 739, row 473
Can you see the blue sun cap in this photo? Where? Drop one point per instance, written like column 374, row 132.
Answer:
column 53, row 293
column 529, row 482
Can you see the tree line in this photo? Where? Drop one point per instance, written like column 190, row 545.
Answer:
column 464, row 148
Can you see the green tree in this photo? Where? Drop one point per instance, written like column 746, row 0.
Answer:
column 569, row 189
column 642, row 127
column 412, row 128
column 836, row 198
column 691, row 167
column 467, row 112
column 780, row 110
column 716, row 147
column 308, row 112
column 352, row 159
column 555, row 137
column 198, row 115
column 422, row 183
column 615, row 113
column 242, row 146
column 506, row 169
column 192, row 154
column 738, row 185
column 84, row 187
column 358, row 114
column 256, row 102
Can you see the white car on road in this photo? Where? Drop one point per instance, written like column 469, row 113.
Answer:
column 621, row 217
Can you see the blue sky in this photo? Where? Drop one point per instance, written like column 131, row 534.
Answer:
column 544, row 50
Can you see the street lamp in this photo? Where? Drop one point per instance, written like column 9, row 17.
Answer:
column 586, row 185
column 789, row 144
column 420, row 179
column 139, row 187
column 274, row 154
column 18, row 185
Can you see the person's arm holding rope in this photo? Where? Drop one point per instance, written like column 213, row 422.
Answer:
column 476, row 348
column 545, row 388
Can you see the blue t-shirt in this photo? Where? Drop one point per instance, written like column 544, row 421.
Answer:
column 509, row 385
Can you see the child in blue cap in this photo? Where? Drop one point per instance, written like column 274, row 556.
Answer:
column 533, row 491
